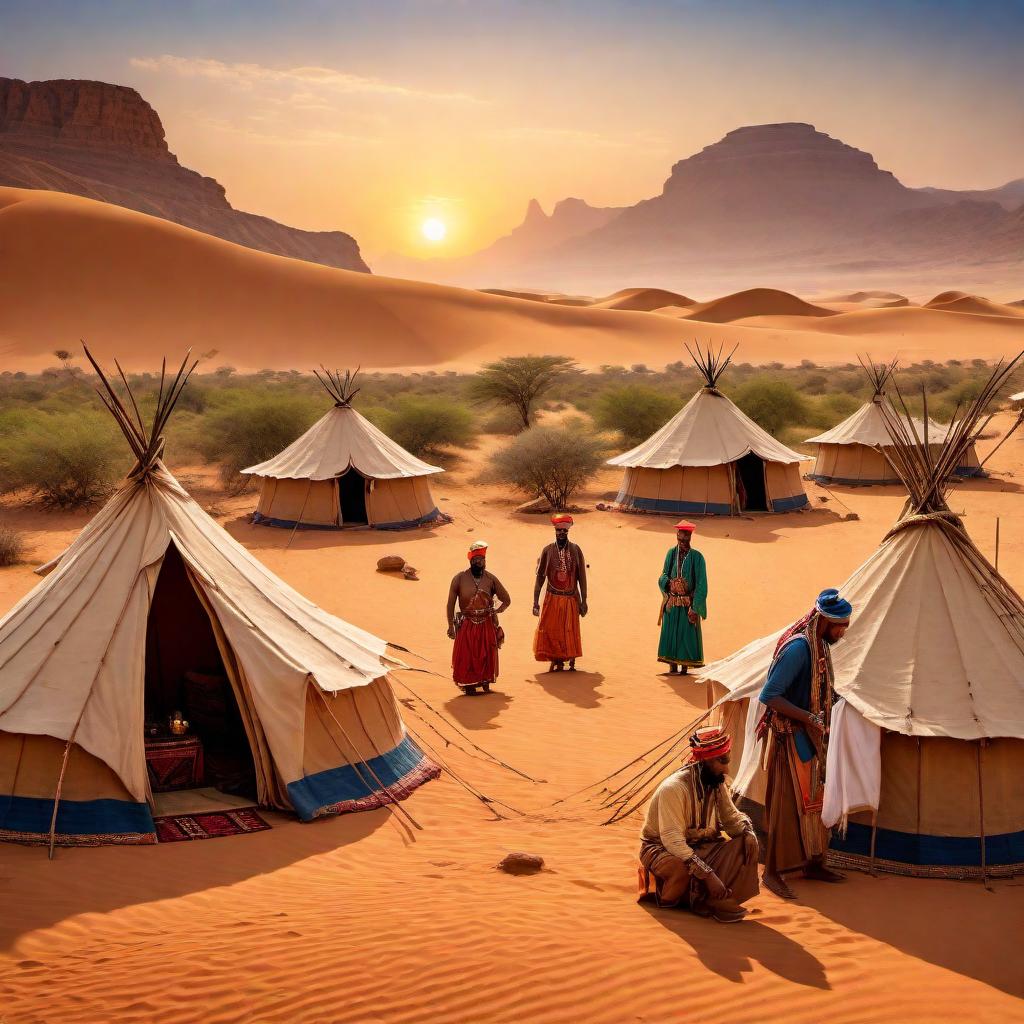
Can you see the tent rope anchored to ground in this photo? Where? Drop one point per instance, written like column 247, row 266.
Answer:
column 344, row 472
column 154, row 608
column 710, row 459
column 927, row 752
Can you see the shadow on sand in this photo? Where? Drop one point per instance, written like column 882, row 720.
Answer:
column 278, row 538
column 577, row 688
column 477, row 711
column 731, row 950
column 933, row 920
column 758, row 528
column 96, row 880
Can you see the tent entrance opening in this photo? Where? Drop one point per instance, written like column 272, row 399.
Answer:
column 352, row 498
column 185, row 672
column 750, row 484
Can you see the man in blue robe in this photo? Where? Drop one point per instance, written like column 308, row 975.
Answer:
column 798, row 705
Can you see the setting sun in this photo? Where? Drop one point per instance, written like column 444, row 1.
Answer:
column 433, row 229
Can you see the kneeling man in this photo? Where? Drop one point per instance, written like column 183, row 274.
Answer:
column 681, row 841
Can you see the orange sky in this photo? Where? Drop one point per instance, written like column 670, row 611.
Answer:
column 372, row 117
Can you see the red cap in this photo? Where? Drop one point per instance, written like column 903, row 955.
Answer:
column 684, row 527
column 562, row 519
column 711, row 741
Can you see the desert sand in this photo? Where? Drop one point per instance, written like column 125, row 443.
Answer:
column 138, row 287
column 355, row 919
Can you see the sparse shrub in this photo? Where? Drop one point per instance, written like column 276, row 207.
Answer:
column 841, row 405
column 68, row 460
column 12, row 546
column 771, row 403
column 554, row 461
column 635, row 410
column 251, row 426
column 424, row 426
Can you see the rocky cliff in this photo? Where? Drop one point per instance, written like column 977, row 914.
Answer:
column 106, row 142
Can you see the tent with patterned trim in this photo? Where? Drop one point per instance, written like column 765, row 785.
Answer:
column 155, row 608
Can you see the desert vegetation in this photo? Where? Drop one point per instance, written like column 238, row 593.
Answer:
column 12, row 546
column 58, row 447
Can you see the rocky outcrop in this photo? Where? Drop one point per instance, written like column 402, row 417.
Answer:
column 106, row 142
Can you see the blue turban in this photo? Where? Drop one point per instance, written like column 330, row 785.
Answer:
column 832, row 606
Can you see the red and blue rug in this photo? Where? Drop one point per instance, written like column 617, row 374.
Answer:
column 177, row 828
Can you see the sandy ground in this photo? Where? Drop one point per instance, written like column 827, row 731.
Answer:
column 360, row 919
column 141, row 288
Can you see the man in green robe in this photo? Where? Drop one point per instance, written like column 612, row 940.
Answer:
column 684, row 589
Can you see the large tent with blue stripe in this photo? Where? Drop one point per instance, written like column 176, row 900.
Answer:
column 926, row 749
column 153, row 609
column 710, row 459
column 343, row 472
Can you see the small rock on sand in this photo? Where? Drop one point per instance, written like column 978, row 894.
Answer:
column 521, row 864
column 391, row 563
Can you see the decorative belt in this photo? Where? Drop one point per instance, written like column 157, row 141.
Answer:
column 561, row 593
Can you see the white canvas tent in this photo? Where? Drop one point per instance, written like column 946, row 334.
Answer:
column 854, row 452
column 343, row 472
column 932, row 675
column 81, row 666
column 710, row 459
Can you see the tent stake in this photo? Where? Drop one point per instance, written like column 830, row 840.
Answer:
column 997, row 544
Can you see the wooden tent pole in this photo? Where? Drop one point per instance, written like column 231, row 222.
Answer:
column 874, row 836
column 981, row 816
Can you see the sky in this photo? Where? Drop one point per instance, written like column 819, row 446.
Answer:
column 374, row 116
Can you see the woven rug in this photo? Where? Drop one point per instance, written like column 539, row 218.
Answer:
column 211, row 825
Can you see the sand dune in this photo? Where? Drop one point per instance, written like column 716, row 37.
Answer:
column 645, row 299
column 140, row 288
column 963, row 302
column 74, row 269
column 355, row 920
column 755, row 302
column 847, row 302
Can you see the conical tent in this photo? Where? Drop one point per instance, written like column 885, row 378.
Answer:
column 926, row 758
column 155, row 608
column 343, row 472
column 710, row 459
column 854, row 452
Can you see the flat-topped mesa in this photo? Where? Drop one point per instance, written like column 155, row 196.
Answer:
column 785, row 158
column 83, row 112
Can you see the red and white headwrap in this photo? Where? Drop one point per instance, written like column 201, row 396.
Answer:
column 709, row 742
column 561, row 519
column 684, row 527
column 478, row 547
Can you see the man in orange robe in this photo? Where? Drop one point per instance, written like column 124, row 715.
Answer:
column 563, row 568
column 475, row 628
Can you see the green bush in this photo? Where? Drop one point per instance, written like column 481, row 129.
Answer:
column 504, row 420
column 68, row 460
column 635, row 410
column 771, row 403
column 250, row 426
column 553, row 461
column 424, row 426
column 12, row 546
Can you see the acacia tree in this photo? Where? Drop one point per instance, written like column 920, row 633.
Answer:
column 519, row 381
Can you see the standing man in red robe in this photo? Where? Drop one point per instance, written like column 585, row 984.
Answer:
column 562, row 566
column 475, row 628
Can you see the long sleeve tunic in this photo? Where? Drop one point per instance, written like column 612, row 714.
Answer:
column 682, row 813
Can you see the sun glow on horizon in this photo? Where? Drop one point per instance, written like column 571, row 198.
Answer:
column 434, row 229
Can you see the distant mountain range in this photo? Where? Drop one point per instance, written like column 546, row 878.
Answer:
column 767, row 199
column 106, row 142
